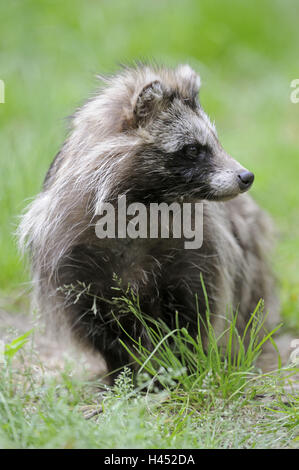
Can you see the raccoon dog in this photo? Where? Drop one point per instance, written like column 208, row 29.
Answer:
column 145, row 135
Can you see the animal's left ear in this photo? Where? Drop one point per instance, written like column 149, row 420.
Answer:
column 148, row 101
column 190, row 79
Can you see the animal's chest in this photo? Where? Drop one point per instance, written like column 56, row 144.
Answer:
column 141, row 261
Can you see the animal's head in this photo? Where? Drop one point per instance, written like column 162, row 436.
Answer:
column 180, row 154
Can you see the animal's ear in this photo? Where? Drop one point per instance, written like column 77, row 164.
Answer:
column 148, row 101
column 190, row 78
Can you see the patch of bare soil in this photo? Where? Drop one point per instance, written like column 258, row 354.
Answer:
column 51, row 352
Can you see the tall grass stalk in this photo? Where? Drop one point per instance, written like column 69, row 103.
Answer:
column 221, row 364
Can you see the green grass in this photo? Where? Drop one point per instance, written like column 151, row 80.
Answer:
column 221, row 364
column 247, row 55
column 216, row 405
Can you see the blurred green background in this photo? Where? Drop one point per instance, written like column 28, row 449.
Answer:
column 246, row 53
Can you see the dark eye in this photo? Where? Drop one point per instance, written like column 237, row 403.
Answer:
column 192, row 151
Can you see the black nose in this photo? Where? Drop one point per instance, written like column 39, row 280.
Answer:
column 245, row 179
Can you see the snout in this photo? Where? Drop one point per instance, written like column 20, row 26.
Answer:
column 228, row 184
column 245, row 180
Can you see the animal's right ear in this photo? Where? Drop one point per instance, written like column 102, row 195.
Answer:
column 148, row 101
